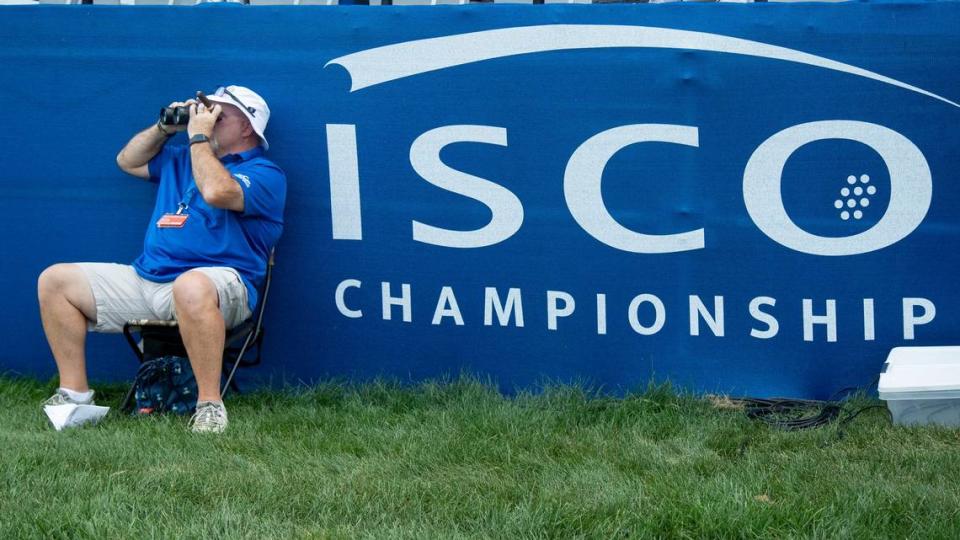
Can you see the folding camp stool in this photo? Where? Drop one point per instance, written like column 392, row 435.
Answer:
column 162, row 338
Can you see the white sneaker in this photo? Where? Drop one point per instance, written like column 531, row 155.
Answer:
column 211, row 417
column 61, row 398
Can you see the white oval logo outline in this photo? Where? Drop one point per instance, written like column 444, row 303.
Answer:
column 911, row 187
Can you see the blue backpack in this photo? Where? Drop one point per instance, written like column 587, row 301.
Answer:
column 165, row 383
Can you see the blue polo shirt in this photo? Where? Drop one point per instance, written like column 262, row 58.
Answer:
column 214, row 236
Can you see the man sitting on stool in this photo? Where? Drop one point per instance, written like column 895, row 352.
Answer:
column 218, row 213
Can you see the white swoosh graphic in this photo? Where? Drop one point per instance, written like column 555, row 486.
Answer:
column 392, row 62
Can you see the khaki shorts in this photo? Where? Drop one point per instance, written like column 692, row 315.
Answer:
column 122, row 295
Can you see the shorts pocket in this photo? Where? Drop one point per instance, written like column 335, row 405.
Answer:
column 235, row 311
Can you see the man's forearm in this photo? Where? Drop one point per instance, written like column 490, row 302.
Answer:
column 216, row 185
column 141, row 148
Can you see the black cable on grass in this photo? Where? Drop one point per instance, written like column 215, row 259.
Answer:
column 849, row 418
column 791, row 414
column 853, row 390
column 797, row 414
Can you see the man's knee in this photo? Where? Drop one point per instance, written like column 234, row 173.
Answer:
column 66, row 281
column 194, row 292
column 63, row 279
column 56, row 278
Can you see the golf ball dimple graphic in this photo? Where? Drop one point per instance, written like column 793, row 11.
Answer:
column 855, row 197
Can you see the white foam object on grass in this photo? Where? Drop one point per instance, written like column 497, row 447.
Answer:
column 72, row 415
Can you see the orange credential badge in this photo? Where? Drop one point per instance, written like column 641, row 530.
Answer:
column 172, row 221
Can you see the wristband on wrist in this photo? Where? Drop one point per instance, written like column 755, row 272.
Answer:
column 199, row 138
column 165, row 132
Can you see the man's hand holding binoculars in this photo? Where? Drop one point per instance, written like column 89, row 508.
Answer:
column 197, row 116
column 203, row 119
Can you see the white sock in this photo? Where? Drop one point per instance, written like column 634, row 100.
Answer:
column 79, row 397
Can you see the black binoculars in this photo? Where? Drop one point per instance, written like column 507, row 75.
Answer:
column 175, row 116
column 180, row 116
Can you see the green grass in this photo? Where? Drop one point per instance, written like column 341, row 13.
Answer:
column 457, row 459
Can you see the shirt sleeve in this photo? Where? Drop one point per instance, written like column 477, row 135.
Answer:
column 166, row 156
column 264, row 188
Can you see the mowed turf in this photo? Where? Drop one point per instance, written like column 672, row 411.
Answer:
column 457, row 459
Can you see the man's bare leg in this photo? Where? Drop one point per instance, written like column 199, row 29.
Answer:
column 203, row 330
column 66, row 304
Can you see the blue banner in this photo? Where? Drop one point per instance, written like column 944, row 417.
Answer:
column 755, row 199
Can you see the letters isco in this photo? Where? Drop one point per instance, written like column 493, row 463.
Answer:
column 911, row 187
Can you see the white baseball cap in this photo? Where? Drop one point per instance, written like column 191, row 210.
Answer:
column 250, row 103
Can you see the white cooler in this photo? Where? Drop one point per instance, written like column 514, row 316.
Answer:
column 921, row 385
